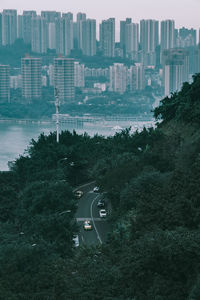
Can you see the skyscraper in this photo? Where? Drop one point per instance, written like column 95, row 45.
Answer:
column 88, row 37
column 167, row 34
column 27, row 25
column 107, row 37
column 4, row 83
column 176, row 69
column 149, row 39
column 137, row 77
column 79, row 74
column 31, row 77
column 39, row 35
column 131, row 40
column 64, row 36
column 78, row 37
column 122, row 33
column 187, row 37
column 64, row 78
column 118, row 78
column 149, row 35
column 9, row 26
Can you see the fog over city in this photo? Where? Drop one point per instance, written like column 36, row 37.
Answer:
column 186, row 13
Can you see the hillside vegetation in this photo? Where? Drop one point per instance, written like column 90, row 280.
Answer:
column 152, row 179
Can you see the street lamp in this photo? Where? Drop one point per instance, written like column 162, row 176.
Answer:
column 57, row 104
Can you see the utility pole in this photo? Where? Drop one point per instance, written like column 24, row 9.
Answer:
column 57, row 104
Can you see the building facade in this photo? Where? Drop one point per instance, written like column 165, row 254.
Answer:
column 4, row 83
column 88, row 37
column 64, row 78
column 118, row 78
column 149, row 40
column 9, row 26
column 107, row 37
column 167, row 34
column 175, row 70
column 31, row 69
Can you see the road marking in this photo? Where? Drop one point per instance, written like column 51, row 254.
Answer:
column 89, row 219
column 82, row 186
column 93, row 219
column 82, row 239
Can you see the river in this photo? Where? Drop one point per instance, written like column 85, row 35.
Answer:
column 15, row 136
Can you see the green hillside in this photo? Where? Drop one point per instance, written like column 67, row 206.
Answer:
column 152, row 180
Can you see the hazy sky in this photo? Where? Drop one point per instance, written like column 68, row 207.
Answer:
column 184, row 12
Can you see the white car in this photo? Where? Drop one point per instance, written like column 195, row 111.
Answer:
column 102, row 213
column 96, row 189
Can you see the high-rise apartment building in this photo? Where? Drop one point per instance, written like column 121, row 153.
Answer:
column 27, row 25
column 64, row 78
column 39, row 35
column 137, row 77
column 149, row 40
column 88, row 28
column 50, row 16
column 187, row 37
column 149, row 35
column 31, row 69
column 176, row 69
column 131, row 40
column 9, row 26
column 79, row 74
column 118, row 78
column 107, row 37
column 167, row 34
column 64, row 36
column 123, row 33
column 78, row 30
column 4, row 83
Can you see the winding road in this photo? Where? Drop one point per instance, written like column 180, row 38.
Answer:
column 88, row 210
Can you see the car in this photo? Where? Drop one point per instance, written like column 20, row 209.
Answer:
column 100, row 203
column 87, row 225
column 96, row 189
column 102, row 213
column 76, row 241
column 78, row 194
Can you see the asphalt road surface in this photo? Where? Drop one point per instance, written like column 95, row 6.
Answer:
column 88, row 210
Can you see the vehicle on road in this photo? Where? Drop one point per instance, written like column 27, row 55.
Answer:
column 87, row 225
column 76, row 241
column 96, row 189
column 102, row 213
column 78, row 194
column 100, row 203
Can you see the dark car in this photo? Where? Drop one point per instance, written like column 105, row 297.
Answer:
column 101, row 203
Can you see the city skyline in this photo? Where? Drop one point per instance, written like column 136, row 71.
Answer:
column 135, row 9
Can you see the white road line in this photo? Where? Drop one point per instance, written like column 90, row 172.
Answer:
column 93, row 219
column 82, row 186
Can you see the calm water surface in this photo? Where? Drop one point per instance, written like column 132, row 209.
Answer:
column 16, row 137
